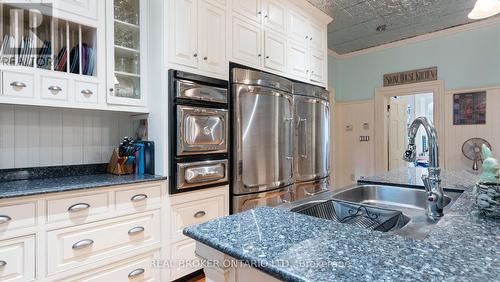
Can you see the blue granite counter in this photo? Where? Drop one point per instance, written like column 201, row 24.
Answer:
column 462, row 246
column 9, row 189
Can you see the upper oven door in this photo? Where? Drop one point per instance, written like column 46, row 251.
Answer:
column 190, row 90
column 201, row 130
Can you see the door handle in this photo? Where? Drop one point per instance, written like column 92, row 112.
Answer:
column 136, row 230
column 139, row 197
column 4, row 219
column 303, row 121
column 78, row 207
column 18, row 84
column 289, row 121
column 136, row 272
column 3, row 263
column 199, row 214
column 55, row 88
column 87, row 92
column 85, row 243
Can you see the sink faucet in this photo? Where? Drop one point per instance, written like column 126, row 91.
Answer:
column 432, row 181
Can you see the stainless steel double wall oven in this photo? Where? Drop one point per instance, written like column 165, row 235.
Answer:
column 280, row 140
column 198, row 131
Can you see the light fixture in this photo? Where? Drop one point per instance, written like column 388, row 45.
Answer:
column 484, row 9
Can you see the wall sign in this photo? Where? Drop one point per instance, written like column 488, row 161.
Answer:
column 413, row 76
column 469, row 108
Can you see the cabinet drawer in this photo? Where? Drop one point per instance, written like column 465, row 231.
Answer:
column 17, row 216
column 86, row 92
column 77, row 208
column 18, row 259
column 183, row 251
column 88, row 243
column 138, row 199
column 54, row 89
column 138, row 269
column 18, row 85
column 195, row 212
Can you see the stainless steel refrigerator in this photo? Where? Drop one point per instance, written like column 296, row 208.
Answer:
column 267, row 122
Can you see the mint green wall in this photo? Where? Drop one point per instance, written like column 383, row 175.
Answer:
column 465, row 60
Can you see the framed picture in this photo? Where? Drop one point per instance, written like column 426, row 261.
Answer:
column 469, row 108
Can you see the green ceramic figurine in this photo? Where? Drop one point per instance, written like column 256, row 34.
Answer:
column 487, row 191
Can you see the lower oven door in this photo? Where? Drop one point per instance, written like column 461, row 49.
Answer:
column 269, row 199
column 200, row 174
column 201, row 130
column 310, row 188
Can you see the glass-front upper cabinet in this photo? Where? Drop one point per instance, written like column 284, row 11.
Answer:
column 127, row 52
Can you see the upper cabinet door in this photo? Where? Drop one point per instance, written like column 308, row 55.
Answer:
column 298, row 25
column 183, row 32
column 84, row 8
column 212, row 34
column 317, row 66
column 317, row 36
column 246, row 42
column 250, row 9
column 298, row 60
column 275, row 55
column 275, row 15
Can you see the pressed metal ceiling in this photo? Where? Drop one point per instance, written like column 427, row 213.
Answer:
column 355, row 22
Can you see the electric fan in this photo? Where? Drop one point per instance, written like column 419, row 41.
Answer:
column 472, row 150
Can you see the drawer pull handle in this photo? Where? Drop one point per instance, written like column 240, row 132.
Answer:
column 85, row 243
column 4, row 219
column 18, row 84
column 78, row 207
column 3, row 263
column 55, row 88
column 87, row 92
column 136, row 272
column 136, row 230
column 139, row 197
column 200, row 214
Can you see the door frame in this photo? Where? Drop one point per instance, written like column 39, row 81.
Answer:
column 382, row 96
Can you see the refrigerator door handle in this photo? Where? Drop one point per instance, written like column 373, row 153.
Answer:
column 290, row 139
column 303, row 121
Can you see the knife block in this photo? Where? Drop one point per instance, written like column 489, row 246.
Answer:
column 117, row 165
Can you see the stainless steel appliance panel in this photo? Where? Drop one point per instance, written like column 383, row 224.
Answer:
column 264, row 139
column 251, row 77
column 191, row 90
column 194, row 174
column 268, row 199
column 312, row 135
column 201, row 130
column 310, row 188
column 311, row 90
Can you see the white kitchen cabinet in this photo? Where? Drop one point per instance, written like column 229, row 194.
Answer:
column 250, row 9
column 212, row 38
column 298, row 60
column 17, row 259
column 275, row 15
column 198, row 32
column 183, row 32
column 246, row 42
column 317, row 35
column 275, row 51
column 127, row 25
column 298, row 25
column 318, row 66
column 85, row 8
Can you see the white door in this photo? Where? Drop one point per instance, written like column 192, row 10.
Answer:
column 183, row 33
column 212, row 35
column 246, row 43
column 275, row 51
column 275, row 15
column 398, row 134
column 250, row 9
column 317, row 66
column 298, row 26
column 298, row 60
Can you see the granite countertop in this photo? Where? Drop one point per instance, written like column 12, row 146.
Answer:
column 9, row 189
column 462, row 246
column 411, row 177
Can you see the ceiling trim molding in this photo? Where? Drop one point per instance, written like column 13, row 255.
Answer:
column 424, row 37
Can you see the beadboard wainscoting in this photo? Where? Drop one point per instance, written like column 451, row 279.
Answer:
column 355, row 158
column 40, row 136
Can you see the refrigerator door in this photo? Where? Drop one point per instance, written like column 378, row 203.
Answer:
column 310, row 188
column 312, row 135
column 263, row 135
column 268, row 199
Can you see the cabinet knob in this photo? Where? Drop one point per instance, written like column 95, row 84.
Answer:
column 260, row 55
column 310, row 38
column 195, row 55
column 136, row 272
column 266, row 16
column 82, row 244
column 87, row 92
column 307, row 36
column 267, row 57
column 205, row 58
column 55, row 89
column 112, row 91
column 18, row 84
column 4, row 219
column 78, row 207
column 259, row 13
column 3, row 263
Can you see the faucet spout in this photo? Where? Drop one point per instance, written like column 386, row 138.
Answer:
column 432, row 181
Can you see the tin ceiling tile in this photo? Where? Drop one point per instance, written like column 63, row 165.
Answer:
column 355, row 21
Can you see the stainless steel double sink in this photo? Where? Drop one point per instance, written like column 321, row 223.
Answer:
column 410, row 201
